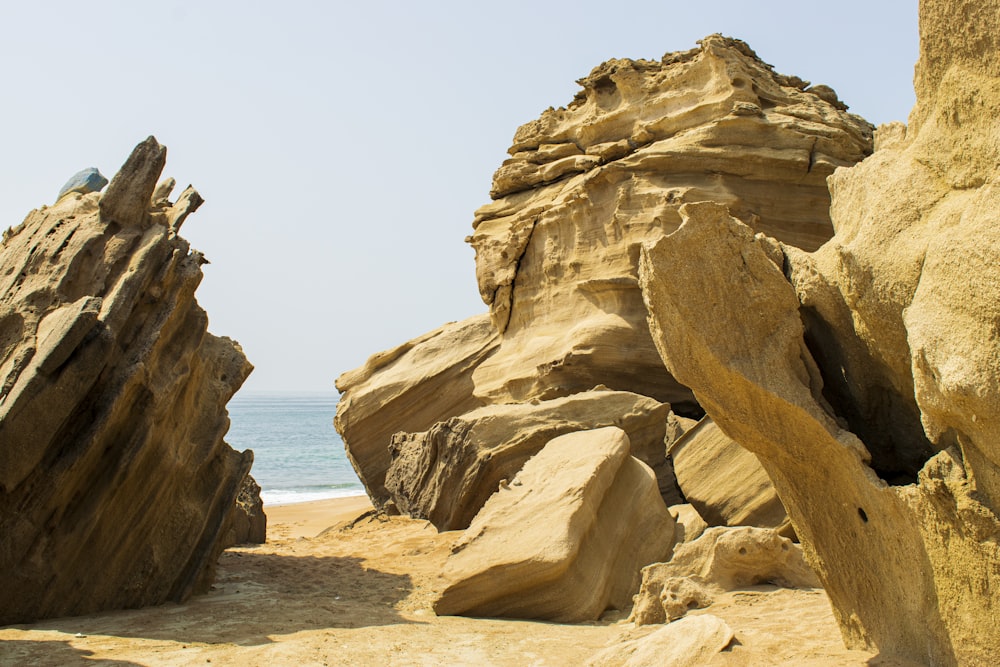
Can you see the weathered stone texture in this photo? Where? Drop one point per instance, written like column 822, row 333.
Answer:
column 565, row 539
column 446, row 474
column 586, row 185
column 409, row 388
column 724, row 482
column 720, row 559
column 872, row 393
column 115, row 482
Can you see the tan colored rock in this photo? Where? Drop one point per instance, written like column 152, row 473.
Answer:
column 690, row 642
column 447, row 473
column 115, row 481
column 901, row 564
column 724, row 482
column 721, row 559
column 557, row 252
column 409, row 388
column 247, row 523
column 565, row 540
column 689, row 523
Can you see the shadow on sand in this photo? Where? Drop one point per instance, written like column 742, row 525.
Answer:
column 257, row 596
column 16, row 653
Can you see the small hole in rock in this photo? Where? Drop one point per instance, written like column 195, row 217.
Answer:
column 861, row 513
column 743, row 551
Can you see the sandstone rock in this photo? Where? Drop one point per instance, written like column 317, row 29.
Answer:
column 586, row 185
column 724, row 482
column 557, row 252
column 689, row 523
column 409, row 388
column 447, row 473
column 902, row 565
column 689, row 642
column 564, row 541
column 115, row 482
column 721, row 559
column 247, row 523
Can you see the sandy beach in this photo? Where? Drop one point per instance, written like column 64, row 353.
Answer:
column 330, row 589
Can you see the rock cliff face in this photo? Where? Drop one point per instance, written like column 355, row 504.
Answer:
column 557, row 251
column 115, row 482
column 586, row 185
column 873, row 397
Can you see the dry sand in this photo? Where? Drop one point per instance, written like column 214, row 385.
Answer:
column 327, row 591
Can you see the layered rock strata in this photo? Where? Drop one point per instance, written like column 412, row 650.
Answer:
column 565, row 539
column 872, row 395
column 557, row 251
column 586, row 185
column 724, row 482
column 446, row 474
column 409, row 388
column 115, row 481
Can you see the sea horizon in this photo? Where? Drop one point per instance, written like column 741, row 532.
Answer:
column 298, row 455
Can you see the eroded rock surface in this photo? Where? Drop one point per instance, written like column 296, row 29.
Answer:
column 720, row 559
column 565, row 539
column 557, row 251
column 873, row 395
column 446, row 474
column 409, row 388
column 586, row 185
column 115, row 481
column 724, row 482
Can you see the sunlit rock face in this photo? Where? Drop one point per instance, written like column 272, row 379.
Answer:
column 557, row 251
column 115, row 482
column 565, row 539
column 872, row 393
column 587, row 185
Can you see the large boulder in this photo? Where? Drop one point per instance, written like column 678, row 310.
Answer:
column 409, row 388
column 586, row 185
column 447, row 473
column 115, row 481
column 565, row 539
column 724, row 482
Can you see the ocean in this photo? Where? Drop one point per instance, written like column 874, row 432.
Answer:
column 298, row 456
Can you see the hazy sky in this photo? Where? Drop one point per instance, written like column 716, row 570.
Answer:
column 342, row 148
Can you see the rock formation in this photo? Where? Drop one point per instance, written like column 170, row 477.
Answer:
column 557, row 251
column 689, row 524
column 721, row 559
column 689, row 642
column 446, row 474
column 115, row 482
column 565, row 539
column 872, row 393
column 409, row 388
column 586, row 185
column 247, row 523
column 724, row 482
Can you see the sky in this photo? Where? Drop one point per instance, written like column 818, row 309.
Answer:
column 343, row 147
